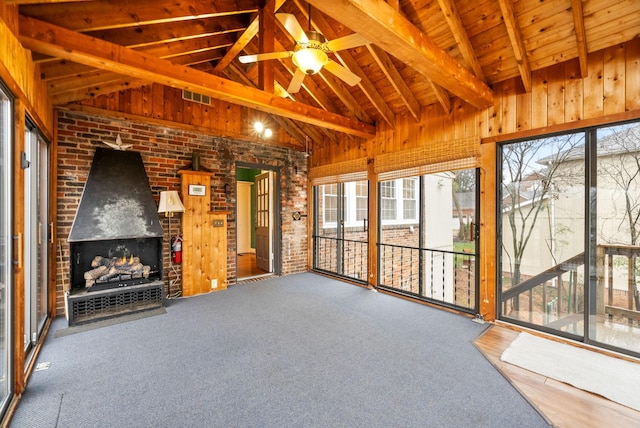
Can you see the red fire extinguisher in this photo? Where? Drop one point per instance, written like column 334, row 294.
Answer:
column 176, row 249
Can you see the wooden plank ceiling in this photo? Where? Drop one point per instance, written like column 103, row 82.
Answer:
column 421, row 52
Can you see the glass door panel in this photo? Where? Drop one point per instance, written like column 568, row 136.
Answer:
column 6, row 243
column 542, row 212
column 615, row 320
column 428, row 240
column 36, row 235
column 341, row 229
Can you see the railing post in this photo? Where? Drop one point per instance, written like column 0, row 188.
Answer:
column 600, row 279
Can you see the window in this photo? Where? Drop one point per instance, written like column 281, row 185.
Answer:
column 399, row 201
column 330, row 204
column 362, row 200
column 355, row 203
column 388, row 200
column 409, row 198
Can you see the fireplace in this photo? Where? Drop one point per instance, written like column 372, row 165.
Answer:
column 100, row 265
column 116, row 241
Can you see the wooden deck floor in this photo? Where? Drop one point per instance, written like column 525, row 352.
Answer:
column 562, row 404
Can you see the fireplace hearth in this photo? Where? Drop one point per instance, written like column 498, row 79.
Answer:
column 115, row 241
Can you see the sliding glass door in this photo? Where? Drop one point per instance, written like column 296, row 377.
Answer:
column 428, row 240
column 6, row 244
column 542, row 229
column 569, row 213
column 36, row 204
column 615, row 312
column 341, row 229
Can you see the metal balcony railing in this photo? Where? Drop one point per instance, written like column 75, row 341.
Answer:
column 343, row 257
column 444, row 277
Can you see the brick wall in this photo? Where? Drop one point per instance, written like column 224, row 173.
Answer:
column 165, row 151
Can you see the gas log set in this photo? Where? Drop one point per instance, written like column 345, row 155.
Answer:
column 108, row 270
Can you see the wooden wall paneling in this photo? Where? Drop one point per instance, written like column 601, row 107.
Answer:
column 22, row 76
column 157, row 101
column 614, row 79
column 125, row 101
column 187, row 114
column 555, row 98
column 136, row 102
column 206, row 115
column 147, row 103
column 573, row 90
column 523, row 110
column 509, row 107
column 205, row 244
column 448, row 128
column 113, row 100
column 216, row 256
column 494, row 112
column 593, row 86
column 194, row 222
column 539, row 91
column 19, row 230
column 459, row 118
column 433, row 118
column 488, row 231
column 632, row 73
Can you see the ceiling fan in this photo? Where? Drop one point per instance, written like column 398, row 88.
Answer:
column 310, row 54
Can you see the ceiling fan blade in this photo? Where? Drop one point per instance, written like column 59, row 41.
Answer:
column 344, row 74
column 347, row 42
column 296, row 81
column 245, row 59
column 293, row 27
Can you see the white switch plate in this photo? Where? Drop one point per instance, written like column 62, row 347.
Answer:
column 214, row 283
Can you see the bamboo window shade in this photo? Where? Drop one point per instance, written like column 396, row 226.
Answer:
column 435, row 157
column 339, row 172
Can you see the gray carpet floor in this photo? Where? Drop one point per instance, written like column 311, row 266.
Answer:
column 297, row 351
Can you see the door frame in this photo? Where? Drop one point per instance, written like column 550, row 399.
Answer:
column 277, row 215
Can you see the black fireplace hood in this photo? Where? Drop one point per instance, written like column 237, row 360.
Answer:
column 116, row 202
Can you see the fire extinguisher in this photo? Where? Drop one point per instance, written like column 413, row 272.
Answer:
column 176, row 249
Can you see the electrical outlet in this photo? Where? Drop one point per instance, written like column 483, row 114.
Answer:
column 214, row 283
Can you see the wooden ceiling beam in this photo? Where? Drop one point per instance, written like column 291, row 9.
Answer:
column 91, row 92
column 517, row 42
column 443, row 97
column 266, row 40
column 49, row 39
column 143, row 35
column 388, row 29
column 185, row 47
column 451, row 14
column 339, row 88
column 19, row 2
column 581, row 36
column 245, row 38
column 86, row 80
column 396, row 80
column 106, row 14
column 368, row 88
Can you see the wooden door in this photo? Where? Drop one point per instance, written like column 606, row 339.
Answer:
column 264, row 223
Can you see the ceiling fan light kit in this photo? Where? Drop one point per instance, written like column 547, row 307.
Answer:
column 311, row 56
column 311, row 53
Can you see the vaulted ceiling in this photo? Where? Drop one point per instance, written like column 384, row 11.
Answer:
column 421, row 52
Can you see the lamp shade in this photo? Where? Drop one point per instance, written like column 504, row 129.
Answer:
column 310, row 60
column 170, row 202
